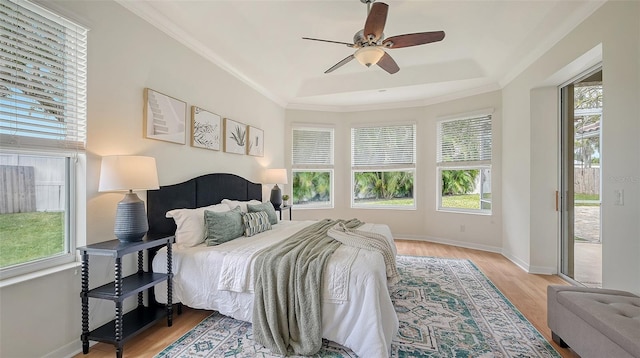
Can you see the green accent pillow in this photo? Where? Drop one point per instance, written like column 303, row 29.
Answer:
column 223, row 227
column 255, row 223
column 267, row 207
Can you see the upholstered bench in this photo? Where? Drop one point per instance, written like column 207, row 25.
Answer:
column 594, row 322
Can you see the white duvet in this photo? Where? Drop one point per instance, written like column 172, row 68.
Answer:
column 357, row 311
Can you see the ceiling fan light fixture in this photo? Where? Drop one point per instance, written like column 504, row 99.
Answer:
column 369, row 55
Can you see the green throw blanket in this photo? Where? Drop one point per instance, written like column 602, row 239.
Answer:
column 288, row 282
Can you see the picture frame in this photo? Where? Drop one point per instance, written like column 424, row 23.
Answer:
column 165, row 117
column 255, row 141
column 206, row 129
column 235, row 137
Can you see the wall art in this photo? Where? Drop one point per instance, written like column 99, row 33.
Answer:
column 235, row 137
column 255, row 141
column 165, row 117
column 205, row 129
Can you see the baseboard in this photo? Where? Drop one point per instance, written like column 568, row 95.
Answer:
column 536, row 270
column 466, row 245
column 69, row 350
column 539, row 270
column 523, row 265
column 543, row 270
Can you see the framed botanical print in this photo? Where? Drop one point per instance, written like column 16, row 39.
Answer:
column 165, row 117
column 206, row 128
column 255, row 141
column 235, row 136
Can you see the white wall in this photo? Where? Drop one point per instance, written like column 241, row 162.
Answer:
column 424, row 223
column 529, row 130
column 126, row 54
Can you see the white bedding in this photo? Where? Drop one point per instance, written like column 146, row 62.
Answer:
column 357, row 311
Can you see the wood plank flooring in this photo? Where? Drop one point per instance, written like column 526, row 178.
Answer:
column 527, row 292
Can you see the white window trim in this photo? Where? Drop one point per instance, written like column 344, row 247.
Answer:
column 71, row 147
column 461, row 165
column 27, row 269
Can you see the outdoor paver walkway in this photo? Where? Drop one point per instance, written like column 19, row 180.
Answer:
column 587, row 223
column 588, row 255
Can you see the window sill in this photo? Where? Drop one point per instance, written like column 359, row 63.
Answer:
column 37, row 274
column 382, row 207
column 462, row 211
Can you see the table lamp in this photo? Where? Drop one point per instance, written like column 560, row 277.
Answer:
column 276, row 176
column 129, row 173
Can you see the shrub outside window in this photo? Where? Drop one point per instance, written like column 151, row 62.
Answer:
column 312, row 188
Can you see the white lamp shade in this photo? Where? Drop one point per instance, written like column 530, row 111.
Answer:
column 369, row 55
column 128, row 172
column 275, row 176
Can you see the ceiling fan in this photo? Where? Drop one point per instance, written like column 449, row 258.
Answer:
column 370, row 42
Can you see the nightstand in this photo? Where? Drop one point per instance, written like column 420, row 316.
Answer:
column 124, row 326
column 284, row 208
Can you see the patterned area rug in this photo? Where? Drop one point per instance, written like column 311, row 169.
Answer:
column 446, row 308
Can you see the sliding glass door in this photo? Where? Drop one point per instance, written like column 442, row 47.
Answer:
column 579, row 195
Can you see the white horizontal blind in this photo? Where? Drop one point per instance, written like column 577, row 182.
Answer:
column 312, row 147
column 390, row 146
column 43, row 70
column 464, row 140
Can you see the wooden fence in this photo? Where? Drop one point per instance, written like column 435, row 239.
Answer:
column 586, row 180
column 31, row 183
column 18, row 188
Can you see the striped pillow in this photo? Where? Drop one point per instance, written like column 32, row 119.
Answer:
column 255, row 223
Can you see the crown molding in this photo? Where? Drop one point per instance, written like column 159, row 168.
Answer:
column 150, row 15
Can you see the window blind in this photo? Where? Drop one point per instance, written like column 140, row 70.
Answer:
column 383, row 146
column 312, row 147
column 43, row 70
column 464, row 140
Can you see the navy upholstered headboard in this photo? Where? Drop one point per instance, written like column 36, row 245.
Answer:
column 204, row 190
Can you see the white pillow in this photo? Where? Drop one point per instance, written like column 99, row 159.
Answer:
column 243, row 204
column 190, row 229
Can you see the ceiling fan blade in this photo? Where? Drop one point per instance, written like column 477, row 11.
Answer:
column 388, row 64
column 375, row 21
column 335, row 42
column 340, row 64
column 419, row 38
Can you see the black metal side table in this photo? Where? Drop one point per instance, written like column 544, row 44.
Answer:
column 124, row 326
column 284, row 208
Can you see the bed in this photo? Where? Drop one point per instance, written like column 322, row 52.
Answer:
column 356, row 308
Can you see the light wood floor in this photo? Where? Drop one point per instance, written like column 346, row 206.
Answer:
column 527, row 292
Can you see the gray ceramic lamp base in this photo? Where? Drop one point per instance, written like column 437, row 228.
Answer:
column 276, row 196
column 131, row 219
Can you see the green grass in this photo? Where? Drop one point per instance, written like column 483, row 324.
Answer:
column 469, row 201
column 466, row 201
column 389, row 202
column 581, row 196
column 26, row 237
column 586, row 197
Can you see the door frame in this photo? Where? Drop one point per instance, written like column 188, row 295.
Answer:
column 565, row 198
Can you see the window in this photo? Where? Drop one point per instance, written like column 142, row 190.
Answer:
column 42, row 129
column 464, row 164
column 383, row 166
column 312, row 167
